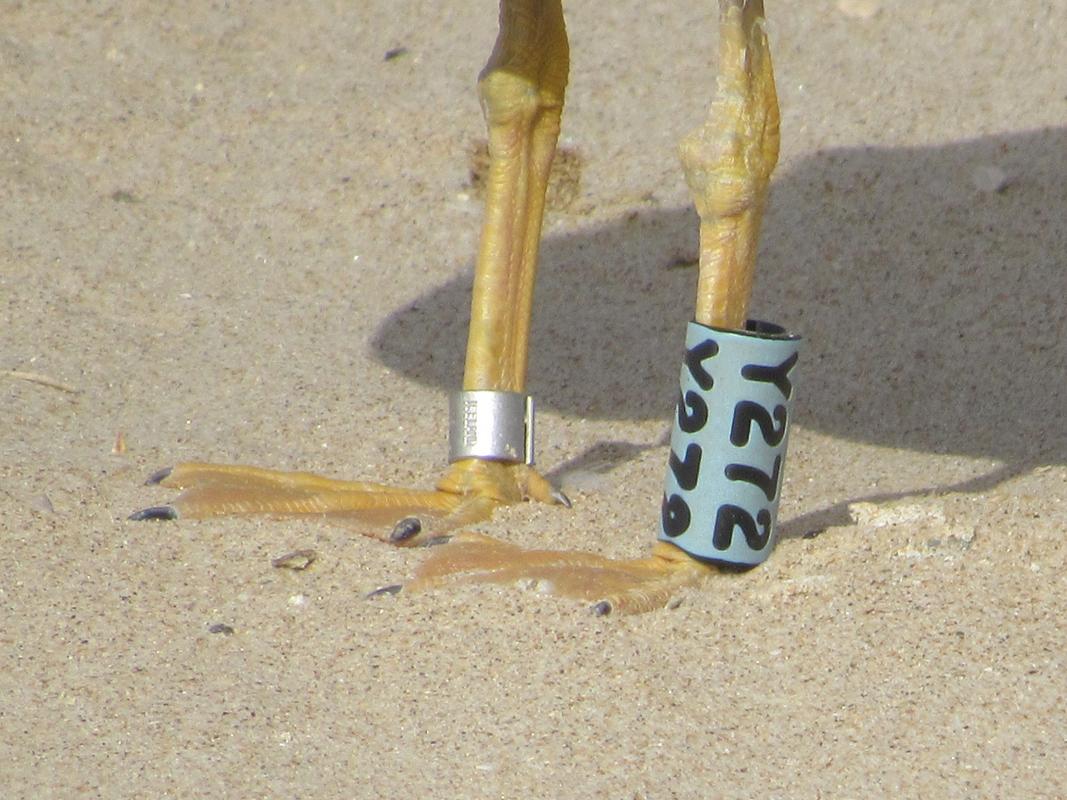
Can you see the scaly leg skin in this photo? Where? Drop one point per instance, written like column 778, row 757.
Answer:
column 522, row 90
column 728, row 164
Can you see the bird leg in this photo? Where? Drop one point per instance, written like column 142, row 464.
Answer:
column 521, row 90
column 728, row 163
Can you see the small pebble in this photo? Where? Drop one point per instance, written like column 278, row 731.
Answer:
column 870, row 515
column 297, row 560
column 585, row 481
column 990, row 179
column 43, row 504
column 859, row 9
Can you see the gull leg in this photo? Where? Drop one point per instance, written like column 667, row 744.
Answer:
column 728, row 163
column 521, row 90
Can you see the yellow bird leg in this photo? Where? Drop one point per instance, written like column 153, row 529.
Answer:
column 521, row 90
column 728, row 164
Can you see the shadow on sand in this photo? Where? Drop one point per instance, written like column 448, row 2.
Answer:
column 933, row 312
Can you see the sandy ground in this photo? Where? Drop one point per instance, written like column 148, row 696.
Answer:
column 247, row 236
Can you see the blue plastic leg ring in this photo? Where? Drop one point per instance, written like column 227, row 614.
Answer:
column 728, row 446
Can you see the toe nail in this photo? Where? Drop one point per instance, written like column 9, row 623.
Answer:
column 155, row 512
column 405, row 529
column 159, row 476
column 561, row 498
column 602, row 609
column 393, row 588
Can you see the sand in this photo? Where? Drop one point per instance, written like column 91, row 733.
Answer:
column 247, row 235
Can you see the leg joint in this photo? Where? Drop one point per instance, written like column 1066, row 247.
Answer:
column 509, row 98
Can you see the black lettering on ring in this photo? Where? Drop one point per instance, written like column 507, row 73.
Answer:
column 746, row 412
column 778, row 375
column 757, row 477
column 694, row 361
column 730, row 516
column 675, row 515
column 692, row 412
column 686, row 470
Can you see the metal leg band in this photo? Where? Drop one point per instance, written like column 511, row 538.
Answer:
column 728, row 445
column 492, row 425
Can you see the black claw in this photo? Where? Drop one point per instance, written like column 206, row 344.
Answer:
column 602, row 609
column 159, row 476
column 405, row 529
column 392, row 588
column 155, row 512
column 561, row 498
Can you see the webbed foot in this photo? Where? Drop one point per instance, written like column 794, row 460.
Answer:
column 621, row 587
column 468, row 493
